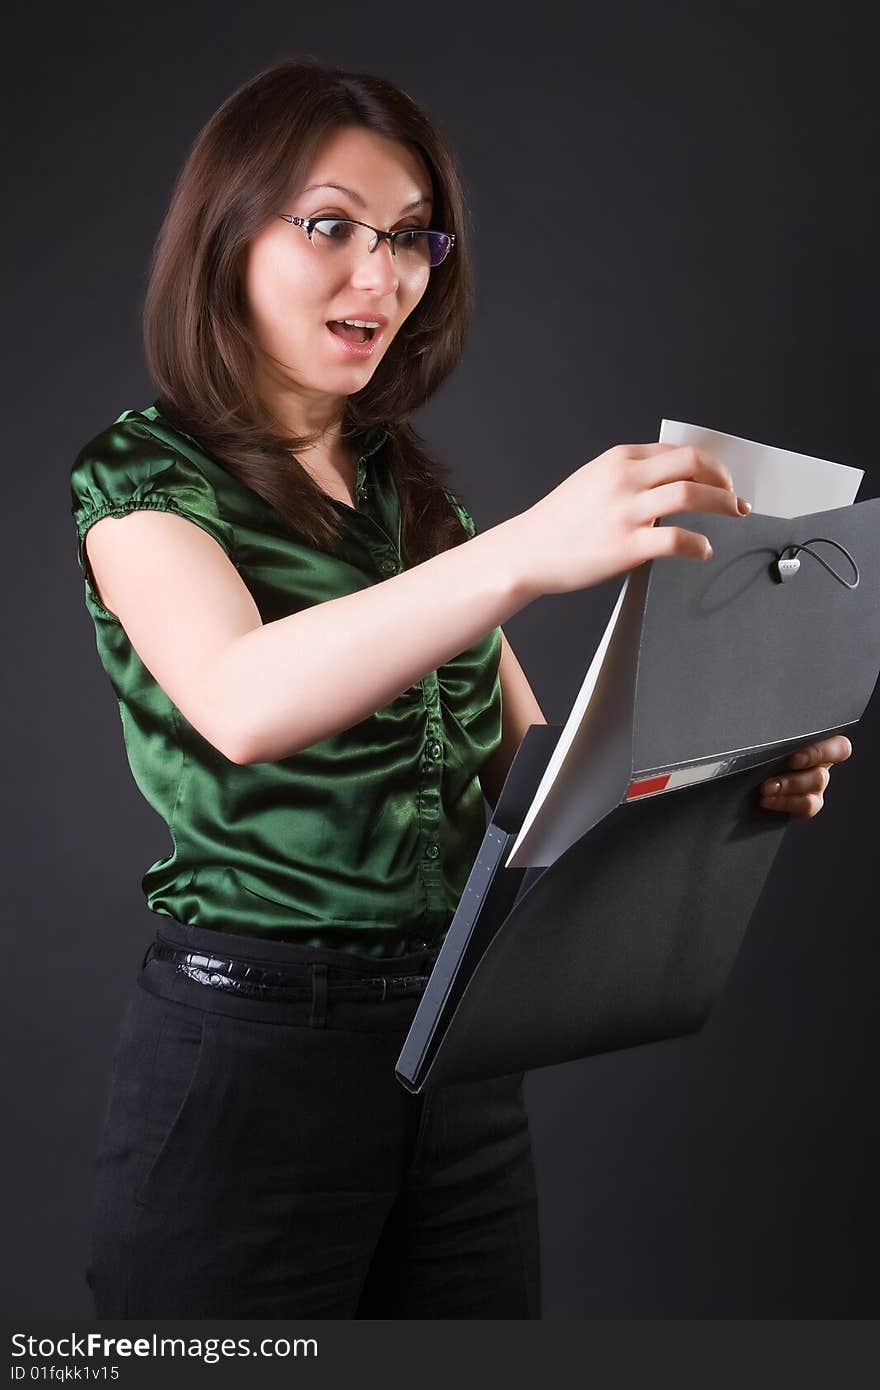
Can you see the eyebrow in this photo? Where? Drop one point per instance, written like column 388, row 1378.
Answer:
column 356, row 197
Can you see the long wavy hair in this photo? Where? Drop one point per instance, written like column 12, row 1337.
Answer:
column 251, row 155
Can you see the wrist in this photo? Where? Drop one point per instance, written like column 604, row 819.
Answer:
column 512, row 544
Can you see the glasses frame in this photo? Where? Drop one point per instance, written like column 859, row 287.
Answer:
column 308, row 225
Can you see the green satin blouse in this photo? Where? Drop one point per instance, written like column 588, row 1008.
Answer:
column 361, row 842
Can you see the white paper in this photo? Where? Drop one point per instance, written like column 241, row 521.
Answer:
column 775, row 481
column 589, row 771
column 573, row 726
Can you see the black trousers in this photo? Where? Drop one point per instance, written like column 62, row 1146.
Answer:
column 261, row 1160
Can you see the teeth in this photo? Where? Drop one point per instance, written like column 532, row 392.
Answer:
column 360, row 323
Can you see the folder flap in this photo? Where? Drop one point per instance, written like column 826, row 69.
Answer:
column 731, row 658
column 627, row 938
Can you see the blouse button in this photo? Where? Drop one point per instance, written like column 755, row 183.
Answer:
column 432, row 851
column 434, row 749
column 388, row 566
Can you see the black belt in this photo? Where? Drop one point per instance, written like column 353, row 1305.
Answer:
column 244, row 978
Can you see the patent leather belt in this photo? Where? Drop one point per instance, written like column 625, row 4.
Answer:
column 244, row 978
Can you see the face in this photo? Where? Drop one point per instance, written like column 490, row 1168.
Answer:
column 294, row 290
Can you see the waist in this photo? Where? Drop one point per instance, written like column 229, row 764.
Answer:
column 284, row 972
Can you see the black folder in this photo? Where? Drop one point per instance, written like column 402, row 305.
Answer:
column 629, row 935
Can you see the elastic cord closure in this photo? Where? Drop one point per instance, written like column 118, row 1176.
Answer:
column 787, row 564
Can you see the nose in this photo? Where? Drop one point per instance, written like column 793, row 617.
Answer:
column 376, row 270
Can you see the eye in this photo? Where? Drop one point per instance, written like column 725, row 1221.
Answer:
column 407, row 241
column 334, row 228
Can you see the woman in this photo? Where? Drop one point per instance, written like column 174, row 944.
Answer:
column 303, row 630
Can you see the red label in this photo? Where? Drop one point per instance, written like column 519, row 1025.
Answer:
column 650, row 784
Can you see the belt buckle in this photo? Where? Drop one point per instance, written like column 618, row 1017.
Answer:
column 388, row 983
column 399, row 984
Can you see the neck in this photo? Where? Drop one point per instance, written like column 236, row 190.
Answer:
column 303, row 412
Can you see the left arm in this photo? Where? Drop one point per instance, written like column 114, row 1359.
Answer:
column 519, row 709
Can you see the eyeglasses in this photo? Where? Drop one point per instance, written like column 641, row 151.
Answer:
column 416, row 246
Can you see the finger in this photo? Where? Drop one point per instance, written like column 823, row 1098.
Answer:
column 682, row 496
column 828, row 750
column 799, row 807
column 645, row 451
column 684, row 462
column 652, row 541
column 815, row 779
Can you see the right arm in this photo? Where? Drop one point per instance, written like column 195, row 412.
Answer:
column 259, row 692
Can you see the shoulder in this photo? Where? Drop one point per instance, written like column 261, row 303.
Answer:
column 139, row 462
column 127, row 455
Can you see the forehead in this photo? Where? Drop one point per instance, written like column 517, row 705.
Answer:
column 372, row 167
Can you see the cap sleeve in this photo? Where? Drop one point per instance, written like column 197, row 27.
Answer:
column 463, row 514
column 126, row 469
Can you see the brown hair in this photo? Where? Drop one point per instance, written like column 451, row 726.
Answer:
column 199, row 347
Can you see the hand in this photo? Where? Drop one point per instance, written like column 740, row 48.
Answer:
column 599, row 522
column 801, row 793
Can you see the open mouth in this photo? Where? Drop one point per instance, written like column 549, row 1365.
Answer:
column 350, row 333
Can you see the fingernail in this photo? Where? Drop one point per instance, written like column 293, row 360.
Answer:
column 709, row 551
column 773, row 788
column 742, row 506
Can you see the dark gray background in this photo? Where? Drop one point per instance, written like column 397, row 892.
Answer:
column 674, row 215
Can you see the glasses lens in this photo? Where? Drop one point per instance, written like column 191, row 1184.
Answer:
column 331, row 232
column 415, row 246
column 423, row 246
column 441, row 244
